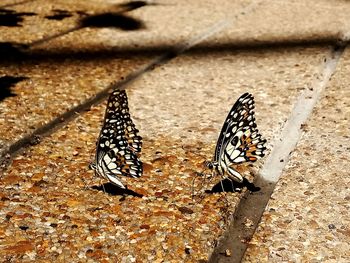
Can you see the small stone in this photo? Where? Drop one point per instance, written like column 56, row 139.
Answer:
column 188, row 250
column 24, row 227
column 185, row 210
column 331, row 226
column 228, row 253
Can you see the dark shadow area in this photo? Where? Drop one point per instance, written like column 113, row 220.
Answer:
column 58, row 14
column 129, row 6
column 6, row 82
column 113, row 20
column 22, row 52
column 11, row 18
column 10, row 50
column 111, row 189
column 228, row 185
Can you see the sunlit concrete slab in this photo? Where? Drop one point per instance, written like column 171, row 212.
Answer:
column 179, row 109
column 307, row 219
column 273, row 24
column 53, row 76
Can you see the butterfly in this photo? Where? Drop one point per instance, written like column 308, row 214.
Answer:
column 119, row 144
column 239, row 140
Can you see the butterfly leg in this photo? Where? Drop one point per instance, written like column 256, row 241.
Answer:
column 203, row 183
column 194, row 193
column 103, row 186
column 86, row 185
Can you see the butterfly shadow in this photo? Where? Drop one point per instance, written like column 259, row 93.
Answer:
column 112, row 189
column 227, row 185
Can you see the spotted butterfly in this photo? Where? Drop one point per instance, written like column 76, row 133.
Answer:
column 239, row 140
column 118, row 144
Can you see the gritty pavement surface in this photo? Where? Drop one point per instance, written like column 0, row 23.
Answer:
column 183, row 65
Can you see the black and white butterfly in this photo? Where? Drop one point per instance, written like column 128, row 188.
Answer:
column 118, row 144
column 239, row 140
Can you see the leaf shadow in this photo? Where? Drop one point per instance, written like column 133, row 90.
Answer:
column 11, row 18
column 113, row 20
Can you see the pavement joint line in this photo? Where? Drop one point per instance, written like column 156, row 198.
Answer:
column 252, row 206
column 49, row 38
column 303, row 107
column 28, row 140
column 217, row 27
column 18, row 3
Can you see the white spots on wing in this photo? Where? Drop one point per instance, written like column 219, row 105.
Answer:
column 234, row 154
column 239, row 159
column 115, row 180
column 239, row 134
column 255, row 142
column 233, row 174
column 112, row 165
column 107, row 159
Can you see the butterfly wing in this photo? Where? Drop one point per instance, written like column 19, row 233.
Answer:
column 116, row 154
column 239, row 140
column 130, row 130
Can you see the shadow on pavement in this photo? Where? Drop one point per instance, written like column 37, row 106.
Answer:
column 6, row 82
column 114, row 190
column 228, row 185
column 11, row 18
column 104, row 20
column 18, row 51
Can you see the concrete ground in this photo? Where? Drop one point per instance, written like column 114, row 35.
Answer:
column 183, row 65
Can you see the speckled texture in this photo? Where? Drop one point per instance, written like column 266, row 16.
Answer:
column 56, row 78
column 45, row 194
column 52, row 88
column 192, row 94
column 51, row 206
column 286, row 24
column 67, row 70
column 172, row 23
column 307, row 218
column 179, row 111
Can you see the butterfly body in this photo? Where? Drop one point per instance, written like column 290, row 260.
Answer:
column 118, row 144
column 239, row 140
